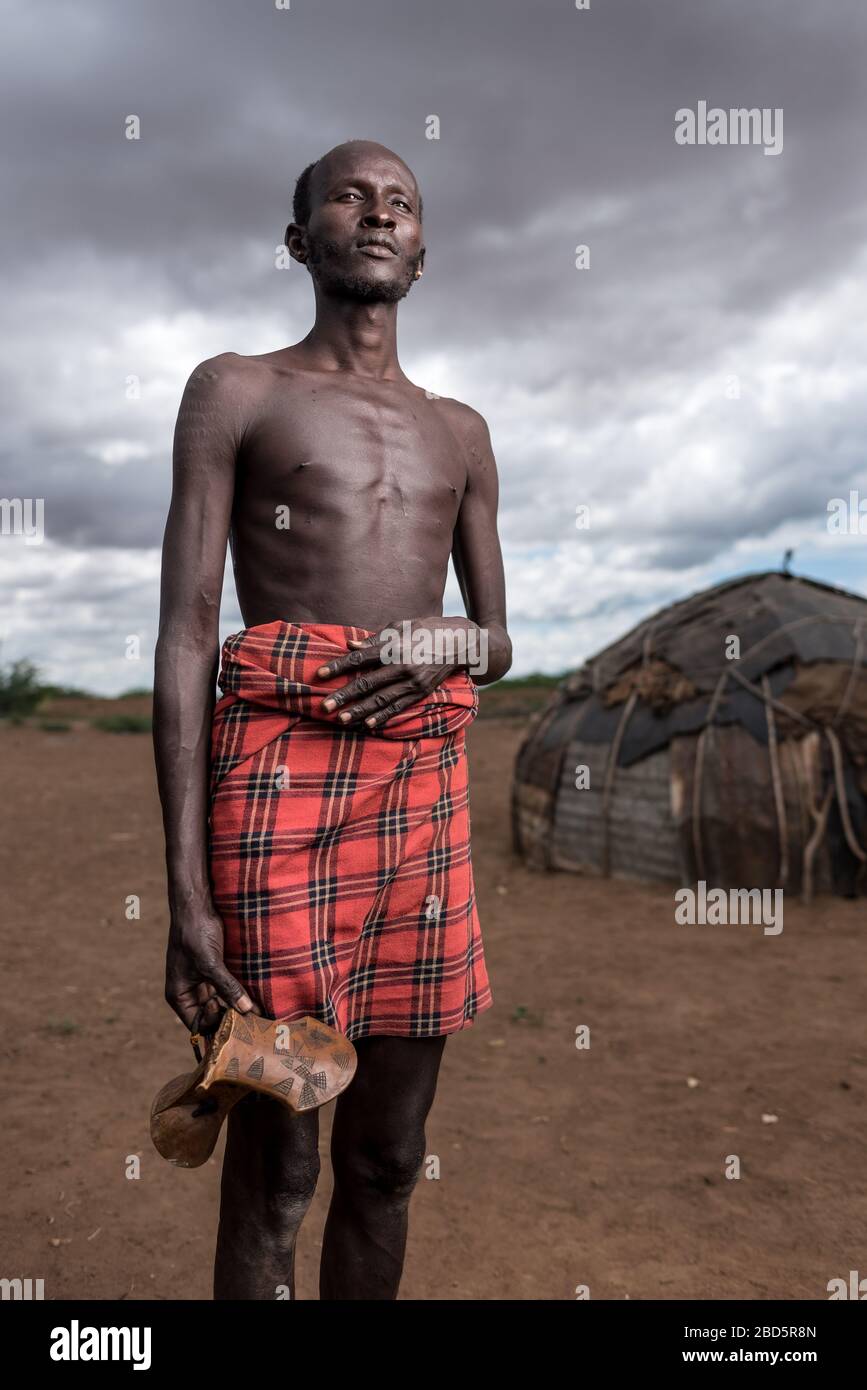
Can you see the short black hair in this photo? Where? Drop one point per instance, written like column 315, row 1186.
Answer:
column 301, row 208
column 301, row 198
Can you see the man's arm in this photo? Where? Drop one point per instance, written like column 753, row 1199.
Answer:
column 207, row 438
column 476, row 552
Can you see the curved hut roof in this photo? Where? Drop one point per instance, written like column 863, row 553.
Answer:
column 778, row 617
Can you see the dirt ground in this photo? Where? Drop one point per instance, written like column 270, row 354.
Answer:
column 560, row 1167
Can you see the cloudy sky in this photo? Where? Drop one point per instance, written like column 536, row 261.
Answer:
column 700, row 386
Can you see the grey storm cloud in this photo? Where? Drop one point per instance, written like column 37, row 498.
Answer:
column 606, row 386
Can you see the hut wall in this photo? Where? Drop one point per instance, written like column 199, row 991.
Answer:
column 650, row 819
column 532, row 814
column 642, row 836
column 738, row 824
column 537, row 776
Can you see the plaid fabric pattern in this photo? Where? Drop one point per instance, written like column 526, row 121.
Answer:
column 340, row 860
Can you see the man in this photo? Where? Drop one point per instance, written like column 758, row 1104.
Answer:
column 317, row 840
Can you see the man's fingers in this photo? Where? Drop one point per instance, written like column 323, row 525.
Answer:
column 415, row 690
column 227, row 986
column 365, row 650
column 211, row 1011
column 186, row 1011
column 379, row 701
column 350, row 661
column 393, row 707
column 184, row 996
column 198, row 1013
column 362, row 686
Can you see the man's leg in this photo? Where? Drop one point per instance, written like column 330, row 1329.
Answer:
column 377, row 1150
column 269, row 1177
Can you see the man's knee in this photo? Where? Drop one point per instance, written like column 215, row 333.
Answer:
column 288, row 1194
column 390, row 1170
column 271, row 1166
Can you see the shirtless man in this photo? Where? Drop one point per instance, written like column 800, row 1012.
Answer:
column 383, row 483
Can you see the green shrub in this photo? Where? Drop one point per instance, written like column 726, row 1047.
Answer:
column 20, row 691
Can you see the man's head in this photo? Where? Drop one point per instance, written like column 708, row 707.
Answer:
column 357, row 223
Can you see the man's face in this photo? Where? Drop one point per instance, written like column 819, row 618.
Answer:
column 364, row 238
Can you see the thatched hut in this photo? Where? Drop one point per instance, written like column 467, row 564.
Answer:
column 723, row 739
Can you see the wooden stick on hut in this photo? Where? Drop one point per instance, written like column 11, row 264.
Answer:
column 609, row 779
column 813, row 844
column 779, row 799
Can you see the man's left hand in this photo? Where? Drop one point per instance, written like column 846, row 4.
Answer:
column 387, row 686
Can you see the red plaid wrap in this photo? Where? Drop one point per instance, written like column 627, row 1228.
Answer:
column 340, row 860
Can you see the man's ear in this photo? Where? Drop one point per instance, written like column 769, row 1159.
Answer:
column 295, row 242
column 420, row 263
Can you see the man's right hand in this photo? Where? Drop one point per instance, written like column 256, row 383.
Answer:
column 198, row 985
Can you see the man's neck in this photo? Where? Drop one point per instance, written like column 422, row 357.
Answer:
column 352, row 337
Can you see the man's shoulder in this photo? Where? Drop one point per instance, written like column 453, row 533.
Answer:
column 468, row 423
column 227, row 371
column 254, row 374
column 229, row 386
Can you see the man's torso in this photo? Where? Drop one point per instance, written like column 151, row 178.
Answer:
column 347, row 493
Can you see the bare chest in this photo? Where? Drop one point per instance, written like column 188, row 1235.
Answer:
column 327, row 448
